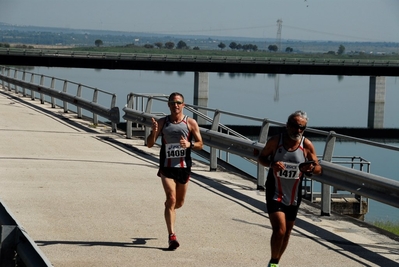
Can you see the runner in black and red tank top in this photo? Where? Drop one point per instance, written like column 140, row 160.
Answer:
column 179, row 135
column 283, row 154
column 172, row 154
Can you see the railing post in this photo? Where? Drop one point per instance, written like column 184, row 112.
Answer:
column 41, row 84
column 148, row 109
column 79, row 94
column 114, row 126
column 16, row 77
column 261, row 170
column 64, row 89
column 52, row 87
column 8, row 75
column 2, row 73
column 213, row 157
column 23, row 88
column 326, row 189
column 32, row 93
column 95, row 100
column 129, row 129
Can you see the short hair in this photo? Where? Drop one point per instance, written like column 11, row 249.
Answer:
column 172, row 95
column 297, row 113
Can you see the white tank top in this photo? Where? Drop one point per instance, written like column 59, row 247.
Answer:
column 172, row 155
column 287, row 181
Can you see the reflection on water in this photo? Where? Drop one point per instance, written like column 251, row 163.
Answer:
column 276, row 87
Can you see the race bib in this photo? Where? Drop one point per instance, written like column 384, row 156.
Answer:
column 291, row 171
column 174, row 150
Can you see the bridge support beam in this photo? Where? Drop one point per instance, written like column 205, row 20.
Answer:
column 201, row 93
column 376, row 102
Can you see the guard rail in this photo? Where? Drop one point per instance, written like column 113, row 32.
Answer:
column 18, row 79
column 364, row 184
column 16, row 247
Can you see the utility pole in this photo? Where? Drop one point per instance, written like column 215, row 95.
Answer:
column 277, row 77
column 278, row 38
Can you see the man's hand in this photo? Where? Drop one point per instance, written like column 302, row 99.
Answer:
column 151, row 138
column 183, row 142
column 277, row 166
column 307, row 167
column 154, row 125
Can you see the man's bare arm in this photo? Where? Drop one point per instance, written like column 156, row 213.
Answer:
column 152, row 137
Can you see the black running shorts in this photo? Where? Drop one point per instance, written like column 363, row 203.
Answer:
column 180, row 175
column 289, row 211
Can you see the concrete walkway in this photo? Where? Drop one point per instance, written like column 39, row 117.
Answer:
column 89, row 197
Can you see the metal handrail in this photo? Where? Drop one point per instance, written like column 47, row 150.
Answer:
column 16, row 245
column 360, row 183
column 112, row 113
column 230, row 142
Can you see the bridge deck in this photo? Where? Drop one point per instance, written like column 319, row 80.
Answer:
column 187, row 63
column 89, row 197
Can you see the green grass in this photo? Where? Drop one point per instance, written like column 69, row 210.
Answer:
column 389, row 226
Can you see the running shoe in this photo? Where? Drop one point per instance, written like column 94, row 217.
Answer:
column 272, row 265
column 173, row 243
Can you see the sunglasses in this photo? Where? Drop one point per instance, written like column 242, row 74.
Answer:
column 297, row 126
column 175, row 102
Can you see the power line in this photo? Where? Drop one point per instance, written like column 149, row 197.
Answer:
column 220, row 29
column 264, row 27
column 331, row 34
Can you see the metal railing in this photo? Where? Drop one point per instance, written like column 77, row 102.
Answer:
column 16, row 247
column 218, row 137
column 46, row 86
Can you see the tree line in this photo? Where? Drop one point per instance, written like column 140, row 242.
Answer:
column 233, row 46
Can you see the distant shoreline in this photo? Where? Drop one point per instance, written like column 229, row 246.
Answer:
column 50, row 37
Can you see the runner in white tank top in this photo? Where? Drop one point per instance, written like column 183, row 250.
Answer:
column 283, row 154
column 179, row 134
column 287, row 182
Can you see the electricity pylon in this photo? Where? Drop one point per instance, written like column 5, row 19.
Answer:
column 278, row 38
column 277, row 77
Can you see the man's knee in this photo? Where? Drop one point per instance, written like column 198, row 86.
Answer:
column 279, row 230
column 179, row 204
column 170, row 202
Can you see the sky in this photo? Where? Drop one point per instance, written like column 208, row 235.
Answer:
column 333, row 20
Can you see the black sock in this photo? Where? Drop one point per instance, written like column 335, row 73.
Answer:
column 273, row 261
